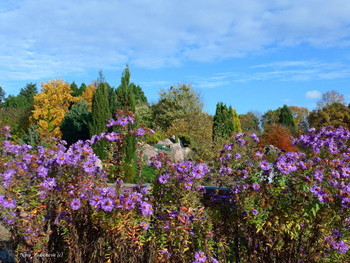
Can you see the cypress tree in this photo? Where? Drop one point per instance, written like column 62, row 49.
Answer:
column 226, row 121
column 125, row 99
column 100, row 115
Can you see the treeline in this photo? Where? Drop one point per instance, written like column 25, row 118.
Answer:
column 69, row 112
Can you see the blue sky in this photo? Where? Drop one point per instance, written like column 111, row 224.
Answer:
column 253, row 55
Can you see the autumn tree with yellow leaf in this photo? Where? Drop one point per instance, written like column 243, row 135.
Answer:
column 51, row 105
column 88, row 95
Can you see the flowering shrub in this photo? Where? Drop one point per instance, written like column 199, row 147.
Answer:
column 285, row 210
column 294, row 208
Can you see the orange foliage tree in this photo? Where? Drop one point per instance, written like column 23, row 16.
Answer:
column 50, row 106
column 278, row 136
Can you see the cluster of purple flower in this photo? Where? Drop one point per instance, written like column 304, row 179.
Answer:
column 185, row 173
column 328, row 138
column 335, row 242
column 200, row 257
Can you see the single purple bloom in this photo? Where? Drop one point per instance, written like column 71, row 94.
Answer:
column 163, row 179
column 256, row 187
column 157, row 164
column 75, row 203
column 237, row 156
column 254, row 212
column 122, row 121
column 89, row 167
column 110, row 122
column 107, row 204
column 199, row 256
column 112, row 136
column 95, row 201
column 140, row 132
column 228, row 147
column 144, row 225
column 264, row 165
column 49, row 183
column 42, row 171
column 146, row 208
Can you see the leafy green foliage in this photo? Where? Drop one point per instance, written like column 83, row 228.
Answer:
column 250, row 123
column 174, row 104
column 336, row 114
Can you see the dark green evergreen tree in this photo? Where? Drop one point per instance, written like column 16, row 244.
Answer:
column 82, row 88
column 286, row 118
column 226, row 121
column 75, row 125
column 75, row 89
column 100, row 115
column 125, row 99
column 28, row 92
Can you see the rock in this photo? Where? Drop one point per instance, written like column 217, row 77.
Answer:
column 175, row 145
column 177, row 154
column 187, row 151
column 150, row 152
column 165, row 142
column 271, row 150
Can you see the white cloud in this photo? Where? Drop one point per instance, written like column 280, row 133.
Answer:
column 52, row 37
column 313, row 94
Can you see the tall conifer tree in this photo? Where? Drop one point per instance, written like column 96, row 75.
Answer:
column 286, row 118
column 100, row 115
column 226, row 121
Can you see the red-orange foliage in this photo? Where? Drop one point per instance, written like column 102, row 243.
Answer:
column 278, row 136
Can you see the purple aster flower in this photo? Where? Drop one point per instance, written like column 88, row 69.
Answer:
column 188, row 185
column 42, row 171
column 165, row 253
column 228, row 147
column 95, row 201
column 146, row 208
column 157, row 164
column 163, row 179
column 256, row 187
column 199, row 171
column 213, row 260
column 122, row 121
column 345, row 172
column 318, row 175
column 7, row 202
column 75, row 203
column 107, row 204
column 112, row 136
column 61, row 158
column 199, row 256
column 140, row 132
column 144, row 225
column 89, row 167
column 49, row 183
column 237, row 156
column 254, row 137
column 110, row 122
column 7, row 175
column 254, row 212
column 183, row 167
column 264, row 165
column 225, row 170
column 241, row 142
column 258, row 154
